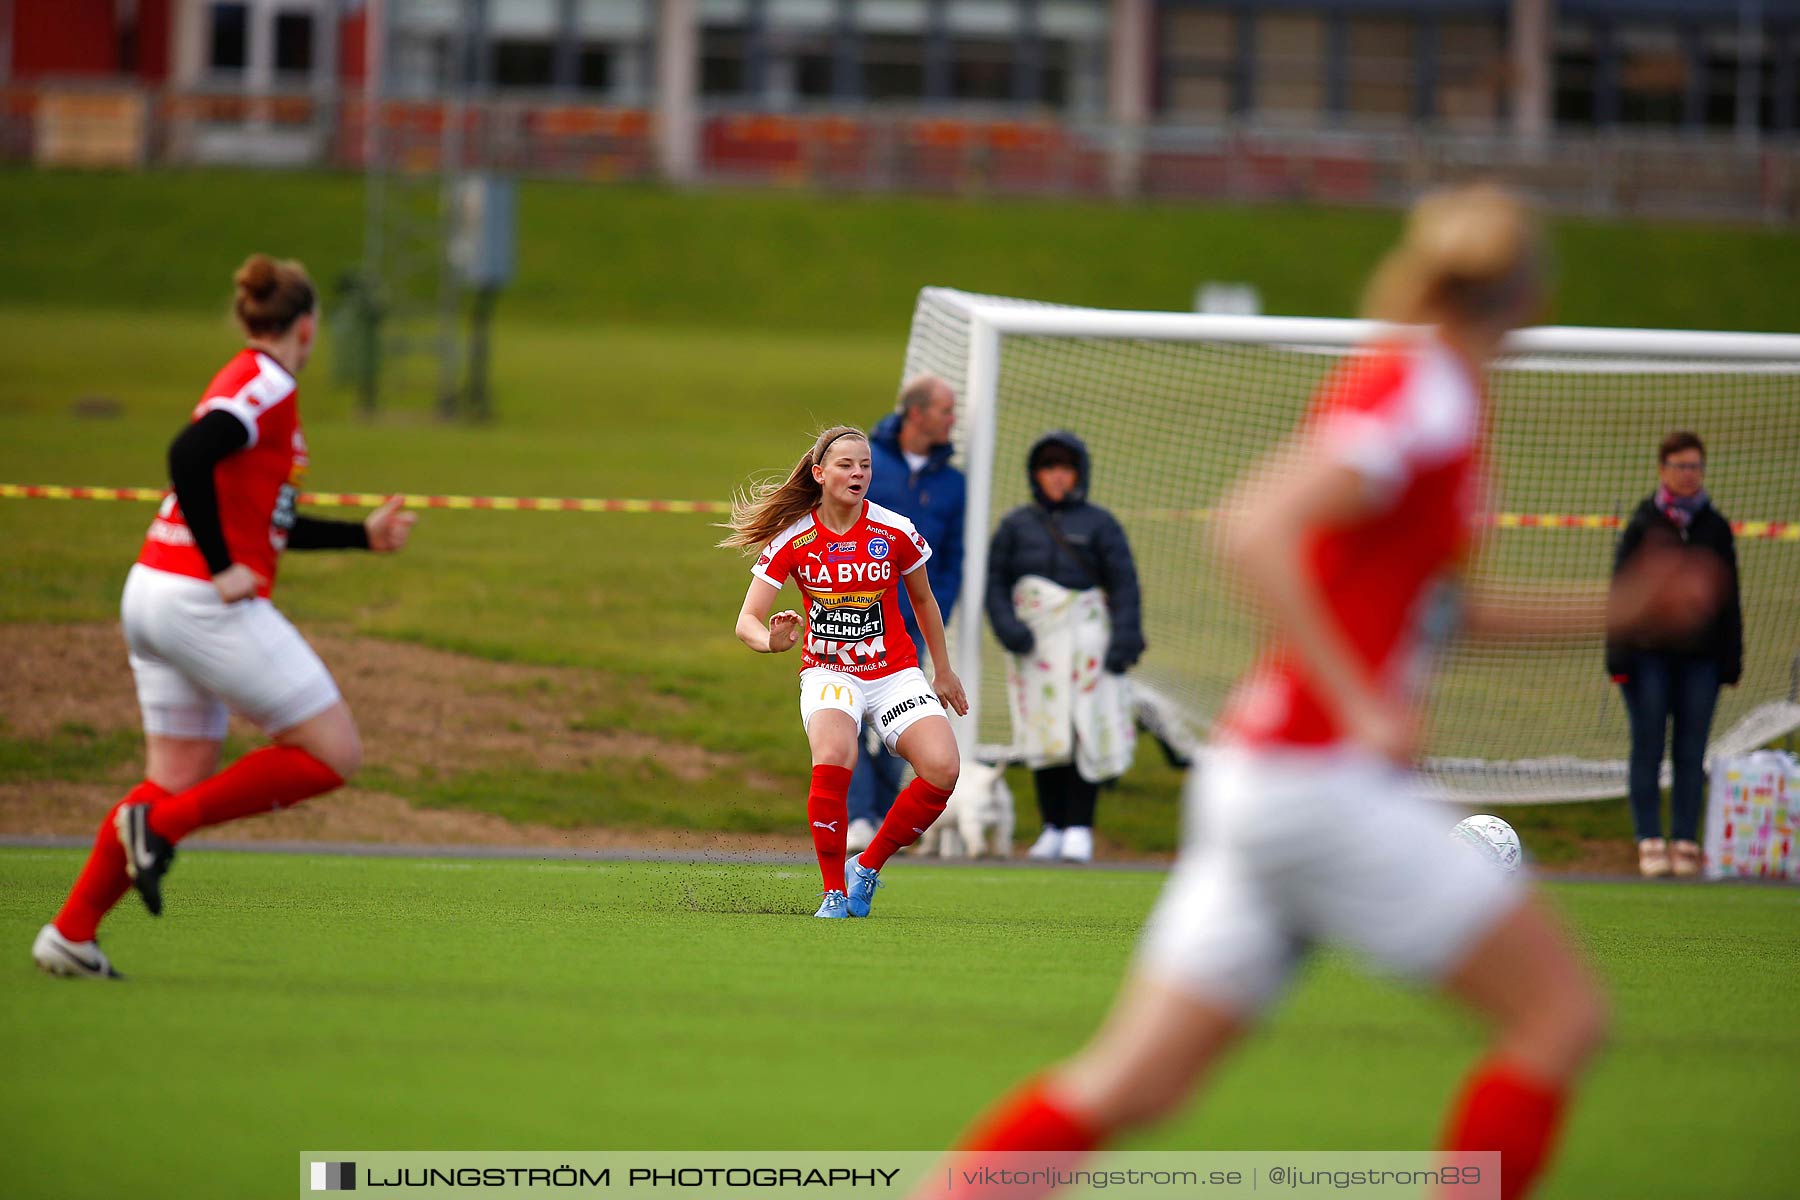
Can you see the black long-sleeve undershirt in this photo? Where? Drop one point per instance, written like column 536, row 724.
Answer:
column 319, row 533
column 194, row 453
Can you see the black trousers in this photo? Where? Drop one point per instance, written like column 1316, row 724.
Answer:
column 1065, row 800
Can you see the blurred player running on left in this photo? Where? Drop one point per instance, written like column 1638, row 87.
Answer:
column 201, row 631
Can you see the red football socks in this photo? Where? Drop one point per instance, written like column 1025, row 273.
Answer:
column 262, row 781
column 103, row 879
column 915, row 808
column 828, row 810
column 1004, row 1155
column 1504, row 1109
column 1029, row 1119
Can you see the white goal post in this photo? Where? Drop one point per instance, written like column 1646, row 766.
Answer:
column 1174, row 405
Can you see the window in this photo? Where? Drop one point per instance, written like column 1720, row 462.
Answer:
column 294, row 43
column 893, row 67
column 722, row 49
column 1380, row 70
column 814, row 75
column 594, row 69
column 1577, row 77
column 1472, row 70
column 228, row 50
column 813, row 56
column 1200, row 62
column 1290, row 67
column 981, row 69
column 524, row 64
column 1053, row 81
column 1653, row 75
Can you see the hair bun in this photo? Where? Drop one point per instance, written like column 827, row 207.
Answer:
column 271, row 294
column 1476, row 233
column 257, row 278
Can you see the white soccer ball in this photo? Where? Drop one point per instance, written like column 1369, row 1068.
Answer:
column 1491, row 838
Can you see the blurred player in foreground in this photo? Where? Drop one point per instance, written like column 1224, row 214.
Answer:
column 848, row 557
column 201, row 630
column 1305, row 826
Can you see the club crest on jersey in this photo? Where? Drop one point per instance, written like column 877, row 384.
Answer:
column 878, row 547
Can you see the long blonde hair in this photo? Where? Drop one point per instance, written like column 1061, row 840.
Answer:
column 1470, row 254
column 762, row 510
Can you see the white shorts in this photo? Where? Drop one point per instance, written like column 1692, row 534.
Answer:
column 891, row 703
column 193, row 656
column 1287, row 848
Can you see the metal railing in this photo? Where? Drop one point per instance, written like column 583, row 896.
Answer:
column 905, row 149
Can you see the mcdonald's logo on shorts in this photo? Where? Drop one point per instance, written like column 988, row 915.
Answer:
column 835, row 691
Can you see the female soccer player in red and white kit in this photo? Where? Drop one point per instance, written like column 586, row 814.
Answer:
column 849, row 557
column 201, row 630
column 1304, row 825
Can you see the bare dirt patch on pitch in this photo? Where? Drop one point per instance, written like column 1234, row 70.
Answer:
column 420, row 711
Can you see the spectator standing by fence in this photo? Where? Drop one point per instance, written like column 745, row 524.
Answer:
column 1062, row 595
column 1676, row 680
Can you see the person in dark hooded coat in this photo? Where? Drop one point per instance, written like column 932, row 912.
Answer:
column 1061, row 538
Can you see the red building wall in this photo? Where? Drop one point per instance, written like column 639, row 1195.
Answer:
column 154, row 30
column 353, row 43
column 84, row 38
column 64, row 37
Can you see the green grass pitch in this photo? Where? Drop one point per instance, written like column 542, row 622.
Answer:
column 295, row 1002
column 665, row 345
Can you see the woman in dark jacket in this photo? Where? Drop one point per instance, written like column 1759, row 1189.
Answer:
column 1676, row 679
column 1069, row 546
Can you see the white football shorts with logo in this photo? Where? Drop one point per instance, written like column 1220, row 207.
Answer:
column 1290, row 847
column 194, row 655
column 891, row 703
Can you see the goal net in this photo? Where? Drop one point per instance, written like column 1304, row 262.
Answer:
column 1174, row 406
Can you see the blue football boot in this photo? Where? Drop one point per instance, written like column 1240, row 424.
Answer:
column 835, row 906
column 862, row 884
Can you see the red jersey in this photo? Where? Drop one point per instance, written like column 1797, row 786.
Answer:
column 851, row 583
column 256, row 485
column 1408, row 419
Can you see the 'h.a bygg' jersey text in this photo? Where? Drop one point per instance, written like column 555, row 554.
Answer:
column 850, row 582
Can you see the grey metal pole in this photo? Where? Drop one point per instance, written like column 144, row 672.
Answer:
column 566, row 52
column 376, row 38
column 677, row 85
column 1529, row 48
column 1749, row 80
column 1128, row 90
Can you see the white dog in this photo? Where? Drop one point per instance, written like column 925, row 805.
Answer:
column 978, row 820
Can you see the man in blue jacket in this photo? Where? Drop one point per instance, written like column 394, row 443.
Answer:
column 913, row 476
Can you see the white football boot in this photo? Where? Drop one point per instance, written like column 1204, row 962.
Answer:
column 1048, row 845
column 57, row 955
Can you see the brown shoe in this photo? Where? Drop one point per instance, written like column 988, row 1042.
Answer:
column 1653, row 858
column 1687, row 858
